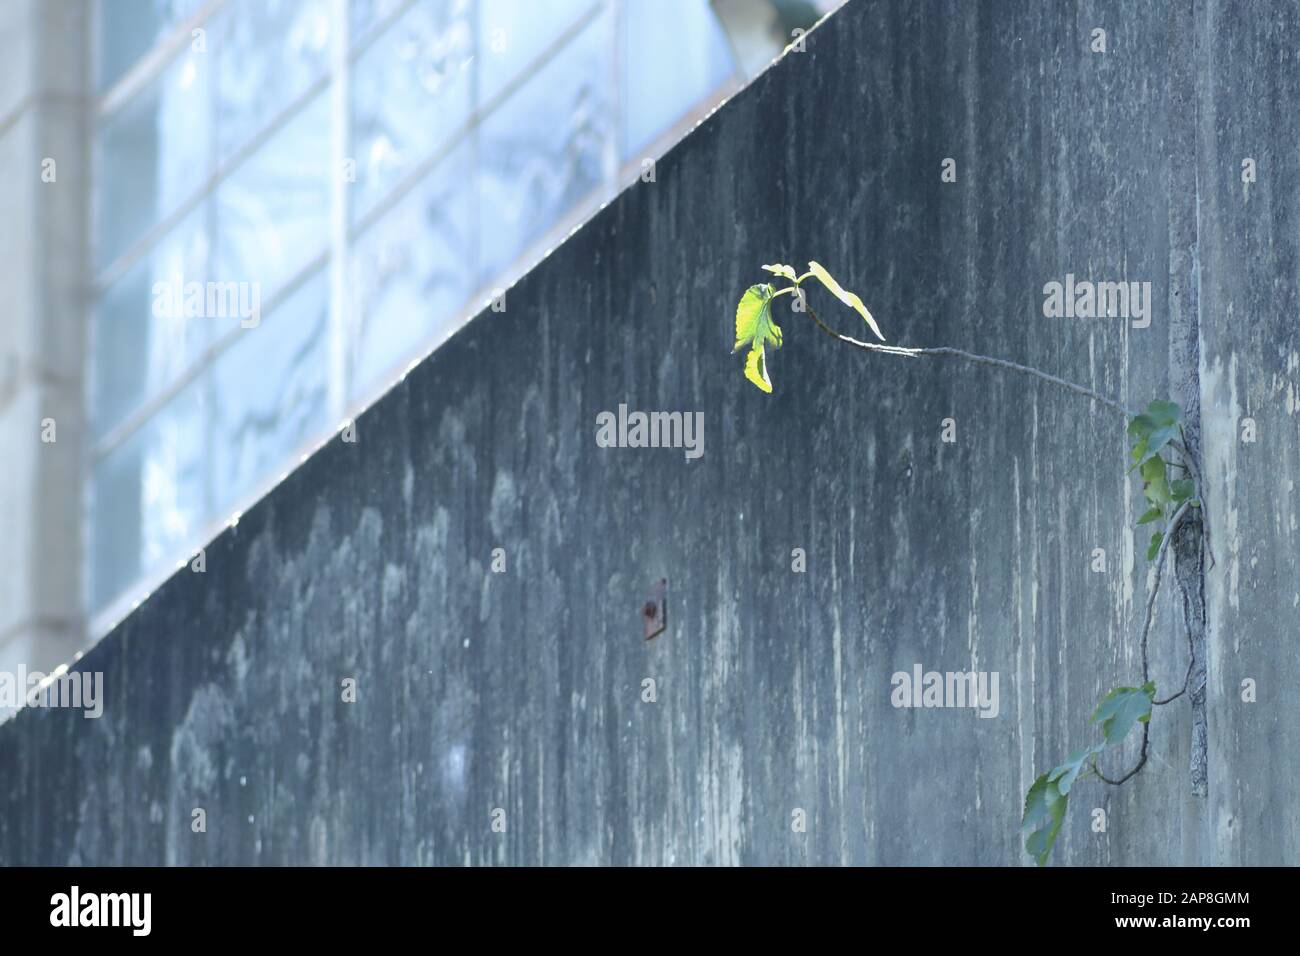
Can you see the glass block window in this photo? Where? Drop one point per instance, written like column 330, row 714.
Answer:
column 295, row 198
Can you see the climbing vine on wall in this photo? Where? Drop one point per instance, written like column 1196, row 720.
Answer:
column 1170, row 484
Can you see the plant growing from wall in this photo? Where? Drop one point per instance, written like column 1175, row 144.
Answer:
column 1171, row 485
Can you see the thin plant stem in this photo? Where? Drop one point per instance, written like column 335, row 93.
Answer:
column 1188, row 464
column 971, row 357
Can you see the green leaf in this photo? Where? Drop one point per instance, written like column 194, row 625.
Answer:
column 1183, row 489
column 1065, row 775
column 756, row 368
column 1152, row 445
column 754, row 318
column 1155, row 481
column 1139, row 453
column 755, row 328
column 1155, row 513
column 1164, row 413
column 1154, row 547
column 1153, row 430
column 1153, row 468
column 1161, row 437
column 1122, row 708
column 1045, row 807
column 1140, row 426
column 848, row 298
column 783, row 270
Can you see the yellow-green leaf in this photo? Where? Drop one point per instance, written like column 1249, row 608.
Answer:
column 756, row 368
column 755, row 328
column 754, row 318
column 848, row 298
column 782, row 270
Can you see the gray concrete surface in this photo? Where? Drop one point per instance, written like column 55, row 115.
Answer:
column 523, row 691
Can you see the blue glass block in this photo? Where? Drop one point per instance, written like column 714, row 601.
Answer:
column 267, row 54
column 148, row 497
column 152, row 155
column 272, row 212
column 128, row 29
column 366, row 18
column 512, row 35
column 411, row 274
column 140, row 345
column 411, row 94
column 543, row 151
column 273, row 388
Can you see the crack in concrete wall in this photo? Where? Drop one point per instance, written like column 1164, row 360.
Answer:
column 1185, row 361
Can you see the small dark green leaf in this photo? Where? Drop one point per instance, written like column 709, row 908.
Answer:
column 1164, row 413
column 1154, row 514
column 1157, row 440
column 1122, row 708
column 1065, row 775
column 1183, row 489
column 1156, row 483
column 1153, row 468
column 1153, row 429
column 1044, row 810
column 1138, row 454
column 1140, row 426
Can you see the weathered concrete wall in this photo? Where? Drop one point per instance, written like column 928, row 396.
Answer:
column 1249, row 259
column 523, row 690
